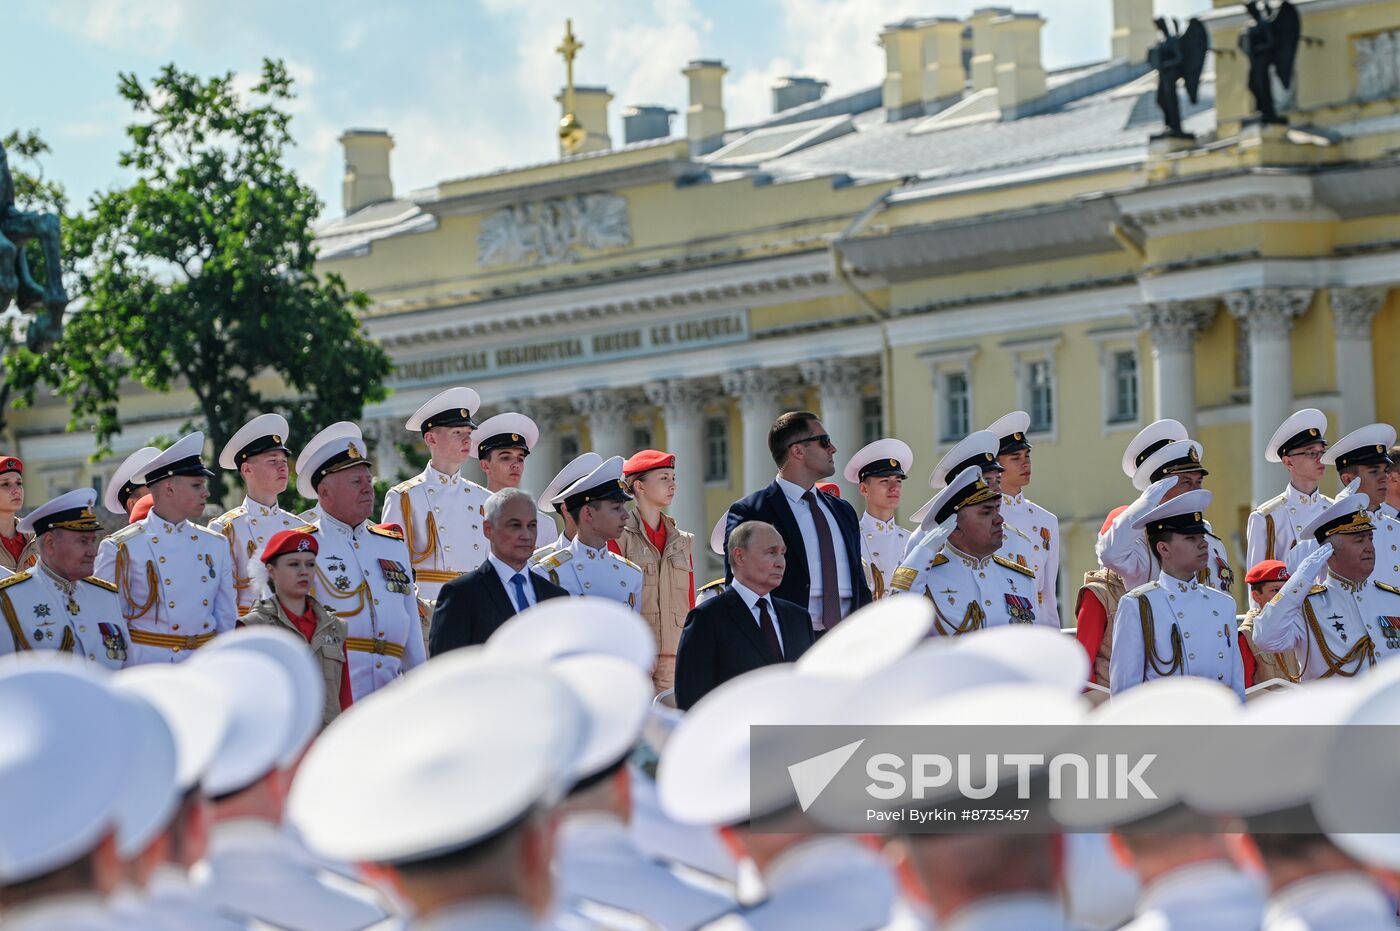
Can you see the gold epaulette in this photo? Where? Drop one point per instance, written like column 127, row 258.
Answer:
column 1317, row 589
column 628, row 561
column 100, row 583
column 1268, row 506
column 555, row 559
column 938, row 560
column 1143, row 589
column 406, row 484
column 709, row 585
column 383, row 531
column 1388, row 588
column 543, row 553
column 228, row 516
column 15, row 579
column 306, row 528
column 1024, row 570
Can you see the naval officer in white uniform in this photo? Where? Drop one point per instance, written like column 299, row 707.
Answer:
column 1276, row 526
column 598, row 504
column 1034, row 522
column 879, row 470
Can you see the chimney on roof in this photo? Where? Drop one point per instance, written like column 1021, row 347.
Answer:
column 646, row 121
column 704, row 118
column 1133, row 30
column 923, row 64
column 1020, row 76
column 984, row 64
column 794, row 91
column 366, row 178
column 591, row 111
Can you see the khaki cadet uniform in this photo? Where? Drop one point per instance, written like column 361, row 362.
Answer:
column 45, row 612
column 1172, row 627
column 27, row 556
column 363, row 576
column 441, row 516
column 583, row 570
column 1269, row 665
column 666, row 587
column 327, row 644
column 247, row 528
column 1107, row 587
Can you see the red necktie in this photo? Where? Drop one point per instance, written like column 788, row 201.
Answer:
column 831, row 589
column 770, row 633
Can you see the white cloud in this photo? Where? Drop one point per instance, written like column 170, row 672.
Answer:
column 353, row 35
column 119, row 23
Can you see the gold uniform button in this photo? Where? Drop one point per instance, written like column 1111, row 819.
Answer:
column 166, row 581
column 174, row 626
column 162, row 559
column 1191, row 655
column 82, row 629
column 206, row 604
column 378, row 665
column 172, row 604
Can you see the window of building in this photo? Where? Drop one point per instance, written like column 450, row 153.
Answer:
column 717, row 450
column 872, row 418
column 568, row 447
column 957, row 406
column 641, row 437
column 1040, row 396
column 1123, row 395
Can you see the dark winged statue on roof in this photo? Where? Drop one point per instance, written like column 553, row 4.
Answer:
column 1272, row 42
column 1179, row 56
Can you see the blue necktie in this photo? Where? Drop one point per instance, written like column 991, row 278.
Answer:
column 521, row 603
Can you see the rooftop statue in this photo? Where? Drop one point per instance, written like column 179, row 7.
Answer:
column 18, row 227
column 1272, row 42
column 1180, row 56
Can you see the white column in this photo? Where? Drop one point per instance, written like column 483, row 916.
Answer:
column 1353, row 312
column 607, row 410
column 543, row 462
column 839, row 384
column 758, row 392
column 1268, row 315
column 1173, row 327
column 385, row 433
column 682, row 407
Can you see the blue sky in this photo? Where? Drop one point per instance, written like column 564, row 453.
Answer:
column 466, row 86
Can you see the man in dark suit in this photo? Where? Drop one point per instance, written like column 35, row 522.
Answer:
column 473, row 605
column 821, row 531
column 746, row 627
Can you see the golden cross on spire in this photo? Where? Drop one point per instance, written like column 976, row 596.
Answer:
column 571, row 132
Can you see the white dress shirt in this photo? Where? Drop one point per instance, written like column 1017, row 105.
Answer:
column 507, row 573
column 751, row 599
column 808, row 528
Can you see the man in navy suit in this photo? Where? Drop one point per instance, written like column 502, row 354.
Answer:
column 473, row 605
column 745, row 627
column 822, row 532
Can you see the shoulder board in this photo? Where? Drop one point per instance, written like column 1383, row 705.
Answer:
column 938, row 560
column 1318, row 589
column 228, row 516
column 306, row 528
column 629, row 562
column 1024, row 570
column 717, row 583
column 1268, row 506
column 542, row 553
column 1388, row 588
column 1144, row 588
column 15, row 579
column 406, row 484
column 130, row 530
column 555, row 559
column 100, row 583
column 392, row 531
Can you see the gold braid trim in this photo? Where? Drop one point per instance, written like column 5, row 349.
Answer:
column 1363, row 649
column 240, row 583
column 12, row 621
column 1268, row 536
column 332, row 592
column 972, row 620
column 1150, row 659
column 123, row 573
column 877, row 582
column 68, row 642
column 430, row 536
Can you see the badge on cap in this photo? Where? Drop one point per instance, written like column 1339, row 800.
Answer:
column 353, row 452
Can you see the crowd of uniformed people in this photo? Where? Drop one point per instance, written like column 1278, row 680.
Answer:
column 224, row 724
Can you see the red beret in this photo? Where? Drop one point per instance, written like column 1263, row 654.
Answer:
column 646, row 461
column 1270, row 570
column 11, row 464
column 141, row 508
column 289, row 541
column 830, row 488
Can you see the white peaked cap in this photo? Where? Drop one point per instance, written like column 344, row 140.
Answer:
column 150, row 790
column 615, row 697
column 1168, row 430
column 261, row 702
column 576, row 469
column 561, row 627
column 196, row 712
column 133, row 471
column 870, row 640
column 298, row 662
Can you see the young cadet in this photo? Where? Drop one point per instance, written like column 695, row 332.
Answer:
column 1033, row 521
column 1176, row 624
column 879, row 470
column 1363, row 457
column 1348, row 621
column 958, row 567
column 362, row 569
column 439, row 510
column 549, row 500
column 58, row 604
column 598, row 504
column 128, row 484
column 174, row 579
column 258, row 451
column 1264, row 581
column 1277, row 525
column 500, row 445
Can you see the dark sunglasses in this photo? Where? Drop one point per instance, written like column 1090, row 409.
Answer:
column 823, row 439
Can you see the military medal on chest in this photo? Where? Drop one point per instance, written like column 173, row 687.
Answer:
column 396, row 577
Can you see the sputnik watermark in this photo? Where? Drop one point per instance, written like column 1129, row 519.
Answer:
column 1116, row 776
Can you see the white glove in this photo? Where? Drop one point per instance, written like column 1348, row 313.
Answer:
column 1348, row 491
column 1148, row 500
column 1315, row 564
column 933, row 541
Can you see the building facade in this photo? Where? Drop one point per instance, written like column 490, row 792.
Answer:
column 968, row 236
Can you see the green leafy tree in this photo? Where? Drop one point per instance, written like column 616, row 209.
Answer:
column 199, row 276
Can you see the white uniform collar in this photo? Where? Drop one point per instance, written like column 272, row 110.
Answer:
column 1025, row 912
column 1343, row 899
column 75, row 911
column 495, row 914
column 1389, row 510
column 58, row 582
column 1172, row 584
column 1018, row 498
column 1195, row 882
column 442, row 478
column 155, row 522
column 1299, row 497
column 883, row 526
column 330, row 523
column 258, row 509
column 1346, row 585
column 601, row 552
column 971, row 561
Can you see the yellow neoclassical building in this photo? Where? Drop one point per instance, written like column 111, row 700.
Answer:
column 969, row 235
